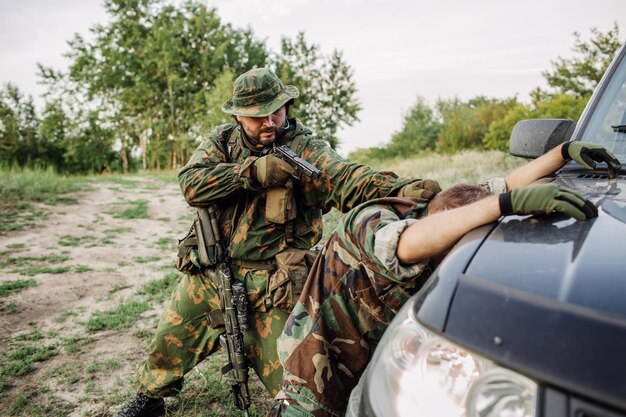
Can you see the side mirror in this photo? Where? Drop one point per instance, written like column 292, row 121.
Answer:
column 532, row 138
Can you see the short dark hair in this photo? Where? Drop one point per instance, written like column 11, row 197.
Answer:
column 456, row 196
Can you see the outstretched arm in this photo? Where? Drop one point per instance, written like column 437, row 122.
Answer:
column 438, row 232
column 586, row 154
column 546, row 164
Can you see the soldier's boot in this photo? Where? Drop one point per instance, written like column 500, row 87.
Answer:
column 143, row 406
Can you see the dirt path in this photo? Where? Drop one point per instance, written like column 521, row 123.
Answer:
column 105, row 258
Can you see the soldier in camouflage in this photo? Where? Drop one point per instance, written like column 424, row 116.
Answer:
column 378, row 256
column 270, row 220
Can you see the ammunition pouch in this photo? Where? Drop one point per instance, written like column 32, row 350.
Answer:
column 188, row 259
column 280, row 204
column 285, row 284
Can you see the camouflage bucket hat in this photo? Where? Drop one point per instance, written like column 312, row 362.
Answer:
column 258, row 93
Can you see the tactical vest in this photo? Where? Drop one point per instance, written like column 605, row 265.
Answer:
column 280, row 201
column 187, row 260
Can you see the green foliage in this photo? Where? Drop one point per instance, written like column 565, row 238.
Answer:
column 500, row 130
column 138, row 210
column 578, row 76
column 19, row 187
column 9, row 287
column 419, row 131
column 121, row 317
column 561, row 106
column 327, row 98
column 159, row 290
column 464, row 124
column 154, row 66
column 21, row 359
column 19, row 143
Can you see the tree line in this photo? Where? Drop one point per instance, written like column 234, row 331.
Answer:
column 150, row 83
column 481, row 122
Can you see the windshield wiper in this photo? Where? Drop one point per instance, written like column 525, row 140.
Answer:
column 619, row 128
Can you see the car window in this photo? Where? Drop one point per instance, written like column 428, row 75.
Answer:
column 610, row 111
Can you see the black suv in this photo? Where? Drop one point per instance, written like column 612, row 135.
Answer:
column 526, row 317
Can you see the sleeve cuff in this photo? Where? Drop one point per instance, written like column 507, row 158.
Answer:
column 244, row 175
column 385, row 246
column 495, row 185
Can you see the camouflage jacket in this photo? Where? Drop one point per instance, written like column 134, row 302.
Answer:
column 214, row 176
column 353, row 290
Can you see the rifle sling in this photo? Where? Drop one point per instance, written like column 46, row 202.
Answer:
column 269, row 265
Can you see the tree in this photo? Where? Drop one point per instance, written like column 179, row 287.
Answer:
column 579, row 75
column 419, row 131
column 149, row 71
column 461, row 127
column 327, row 98
column 500, row 130
column 19, row 143
column 53, row 129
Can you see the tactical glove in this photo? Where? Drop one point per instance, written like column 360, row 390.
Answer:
column 587, row 154
column 270, row 171
column 546, row 199
column 421, row 189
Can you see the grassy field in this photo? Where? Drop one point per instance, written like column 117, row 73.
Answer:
column 85, row 270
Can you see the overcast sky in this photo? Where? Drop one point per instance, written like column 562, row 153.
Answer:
column 399, row 50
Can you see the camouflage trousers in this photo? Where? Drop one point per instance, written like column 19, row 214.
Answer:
column 185, row 335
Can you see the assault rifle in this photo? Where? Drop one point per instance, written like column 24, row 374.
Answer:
column 233, row 303
column 302, row 167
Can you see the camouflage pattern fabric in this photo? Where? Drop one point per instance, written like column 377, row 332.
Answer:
column 214, row 176
column 210, row 177
column 354, row 289
column 185, row 337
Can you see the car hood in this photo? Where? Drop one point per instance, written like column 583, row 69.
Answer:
column 547, row 296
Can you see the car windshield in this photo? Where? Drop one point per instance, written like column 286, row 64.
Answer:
column 609, row 113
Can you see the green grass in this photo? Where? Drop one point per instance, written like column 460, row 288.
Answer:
column 31, row 271
column 9, row 287
column 10, row 308
column 146, row 259
column 34, row 335
column 38, row 402
column 206, row 394
column 21, row 359
column 73, row 345
column 166, row 243
column 160, row 290
column 21, row 187
column 121, row 317
column 124, row 181
column 465, row 166
column 69, row 240
column 137, row 209
column 117, row 231
column 65, row 315
column 170, row 177
column 19, row 262
column 35, row 265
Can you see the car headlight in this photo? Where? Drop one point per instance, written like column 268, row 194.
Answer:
column 417, row 372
